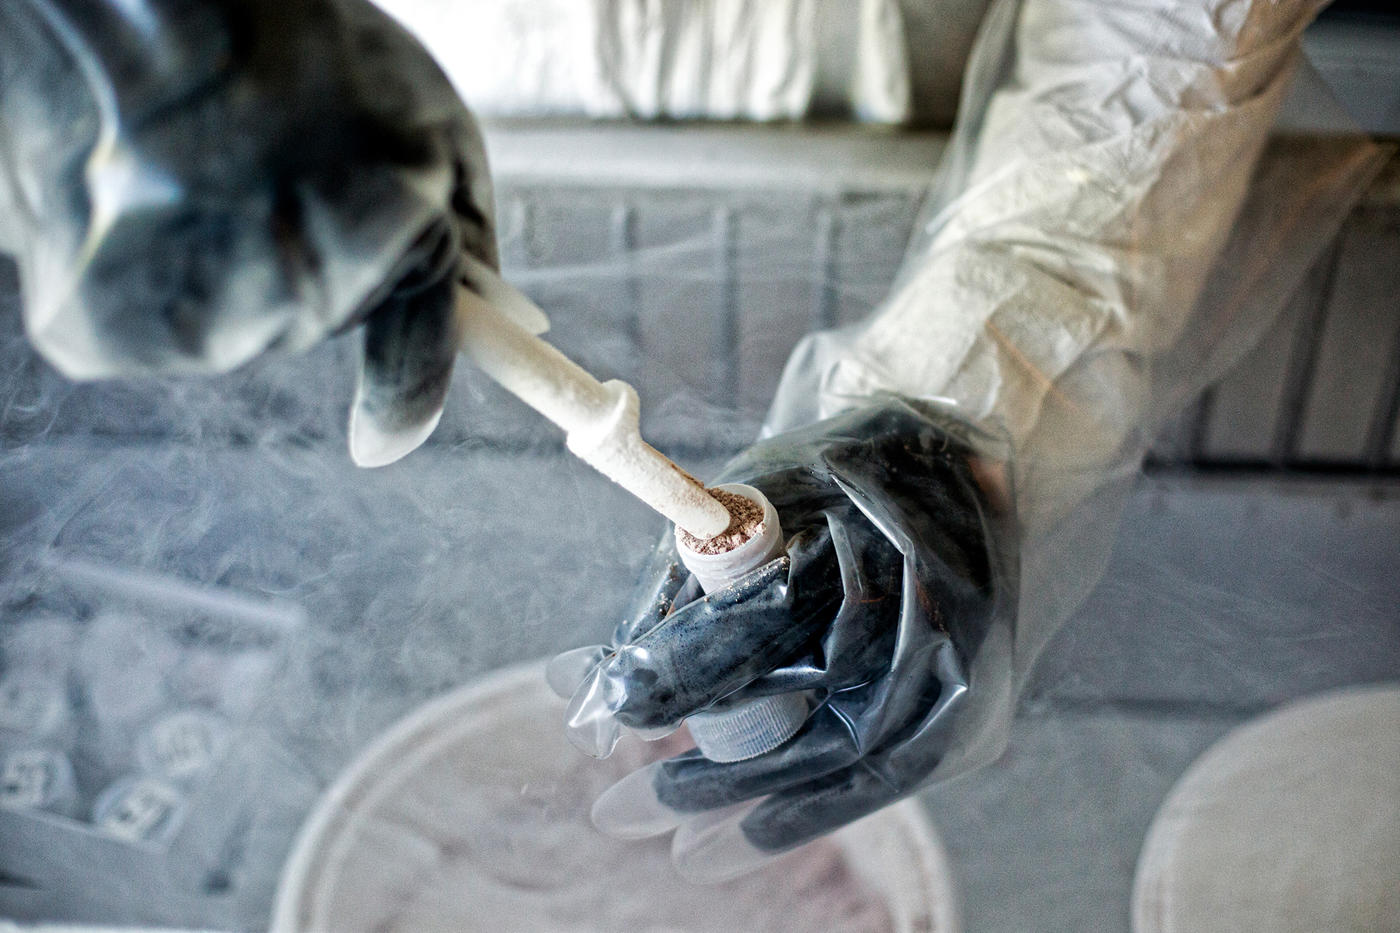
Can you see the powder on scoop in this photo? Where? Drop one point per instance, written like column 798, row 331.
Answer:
column 745, row 521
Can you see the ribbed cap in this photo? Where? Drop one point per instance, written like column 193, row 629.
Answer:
column 748, row 729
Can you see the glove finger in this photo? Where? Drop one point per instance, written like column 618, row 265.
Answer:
column 565, row 672
column 823, row 779
column 708, row 649
column 712, row 848
column 659, row 797
column 652, row 684
column 800, row 814
column 683, row 665
column 410, row 344
column 723, row 844
column 631, row 808
column 714, row 646
column 662, row 585
column 711, row 648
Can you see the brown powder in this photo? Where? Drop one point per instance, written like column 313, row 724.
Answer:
column 745, row 521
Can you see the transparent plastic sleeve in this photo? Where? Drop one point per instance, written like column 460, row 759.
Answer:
column 1105, row 238
column 495, row 545
column 1102, row 242
column 886, row 592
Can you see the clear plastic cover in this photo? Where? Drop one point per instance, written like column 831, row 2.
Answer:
column 1057, row 304
column 1103, row 241
column 885, row 595
column 491, row 545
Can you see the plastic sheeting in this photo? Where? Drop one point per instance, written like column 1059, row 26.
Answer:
column 417, row 578
column 889, row 580
column 1052, row 296
column 1097, row 249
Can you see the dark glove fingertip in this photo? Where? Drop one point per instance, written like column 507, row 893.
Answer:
column 656, row 594
column 410, row 347
column 800, row 814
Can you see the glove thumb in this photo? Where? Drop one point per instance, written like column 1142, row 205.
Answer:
column 410, row 344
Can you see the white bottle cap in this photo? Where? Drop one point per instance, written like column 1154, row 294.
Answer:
column 753, row 727
column 748, row 729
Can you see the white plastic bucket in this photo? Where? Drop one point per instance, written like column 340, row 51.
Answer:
column 452, row 821
column 1289, row 824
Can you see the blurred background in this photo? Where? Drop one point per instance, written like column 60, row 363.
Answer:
column 207, row 610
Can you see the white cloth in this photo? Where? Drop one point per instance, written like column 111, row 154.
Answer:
column 1103, row 183
column 681, row 59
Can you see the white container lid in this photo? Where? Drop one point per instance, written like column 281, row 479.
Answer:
column 1290, row 823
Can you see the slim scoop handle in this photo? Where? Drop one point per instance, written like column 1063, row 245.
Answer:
column 600, row 419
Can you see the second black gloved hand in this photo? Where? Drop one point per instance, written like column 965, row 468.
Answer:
column 875, row 613
column 192, row 184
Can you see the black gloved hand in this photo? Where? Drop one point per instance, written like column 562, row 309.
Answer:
column 194, row 183
column 876, row 610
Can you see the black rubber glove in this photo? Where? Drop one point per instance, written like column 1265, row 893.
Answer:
column 875, row 612
column 194, row 182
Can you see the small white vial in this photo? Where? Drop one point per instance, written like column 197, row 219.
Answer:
column 753, row 727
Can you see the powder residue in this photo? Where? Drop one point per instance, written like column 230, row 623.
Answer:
column 745, row 521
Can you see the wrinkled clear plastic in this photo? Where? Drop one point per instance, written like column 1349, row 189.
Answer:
column 1102, row 242
column 186, row 187
column 886, row 592
column 492, row 545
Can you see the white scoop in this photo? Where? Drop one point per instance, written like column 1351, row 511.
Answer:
column 600, row 419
